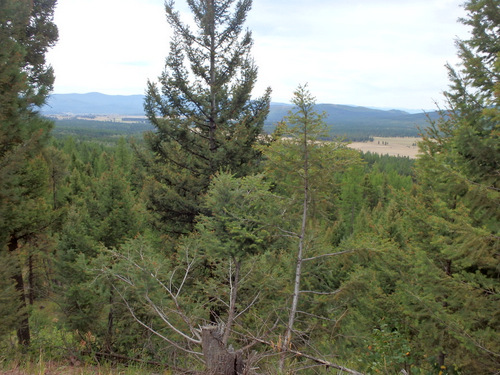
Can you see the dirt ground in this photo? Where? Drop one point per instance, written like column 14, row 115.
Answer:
column 393, row 146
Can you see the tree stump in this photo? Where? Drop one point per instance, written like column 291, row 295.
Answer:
column 218, row 359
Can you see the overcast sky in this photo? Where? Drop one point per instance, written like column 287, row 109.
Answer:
column 379, row 53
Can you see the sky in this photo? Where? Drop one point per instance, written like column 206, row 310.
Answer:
column 375, row 53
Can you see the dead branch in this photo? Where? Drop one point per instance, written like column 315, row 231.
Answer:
column 321, row 293
column 170, row 290
column 165, row 319
column 152, row 330
column 319, row 361
column 328, row 255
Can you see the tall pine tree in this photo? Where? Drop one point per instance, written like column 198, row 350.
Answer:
column 205, row 118
column 26, row 33
column 459, row 174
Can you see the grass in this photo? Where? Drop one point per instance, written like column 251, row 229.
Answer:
column 54, row 351
column 67, row 368
column 393, row 146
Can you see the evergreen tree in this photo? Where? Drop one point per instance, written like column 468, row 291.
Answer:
column 236, row 233
column 104, row 214
column 26, row 33
column 460, row 194
column 203, row 113
column 304, row 168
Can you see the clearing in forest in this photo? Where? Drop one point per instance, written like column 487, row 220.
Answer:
column 392, row 146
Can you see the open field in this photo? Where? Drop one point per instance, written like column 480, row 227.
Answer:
column 103, row 118
column 393, row 146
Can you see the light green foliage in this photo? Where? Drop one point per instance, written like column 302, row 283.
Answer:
column 428, row 267
column 241, row 216
column 458, row 174
column 304, row 155
column 233, row 238
column 304, row 167
column 387, row 351
column 228, row 270
column 103, row 213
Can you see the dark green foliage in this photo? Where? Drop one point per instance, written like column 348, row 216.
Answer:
column 10, row 306
column 103, row 131
column 383, row 163
column 103, row 212
column 359, row 123
column 26, row 33
column 456, row 217
column 203, row 114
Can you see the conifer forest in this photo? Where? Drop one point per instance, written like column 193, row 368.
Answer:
column 208, row 246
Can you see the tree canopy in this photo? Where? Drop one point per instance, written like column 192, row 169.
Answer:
column 205, row 118
column 27, row 31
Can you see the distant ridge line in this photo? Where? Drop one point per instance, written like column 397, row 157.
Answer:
column 338, row 115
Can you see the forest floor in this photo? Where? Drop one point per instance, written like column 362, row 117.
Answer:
column 392, row 146
column 57, row 368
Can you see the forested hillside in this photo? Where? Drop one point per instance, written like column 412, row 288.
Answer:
column 351, row 122
column 208, row 246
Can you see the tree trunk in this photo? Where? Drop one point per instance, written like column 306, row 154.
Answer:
column 31, row 279
column 232, row 303
column 440, row 358
column 109, row 335
column 213, row 90
column 23, row 329
column 287, row 339
column 218, row 359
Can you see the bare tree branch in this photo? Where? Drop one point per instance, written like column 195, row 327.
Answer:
column 319, row 361
column 174, row 297
column 163, row 317
column 149, row 328
column 328, row 255
column 249, row 306
column 321, row 293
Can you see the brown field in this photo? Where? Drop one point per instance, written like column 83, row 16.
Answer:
column 393, row 146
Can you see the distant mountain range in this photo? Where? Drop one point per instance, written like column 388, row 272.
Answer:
column 339, row 116
column 94, row 103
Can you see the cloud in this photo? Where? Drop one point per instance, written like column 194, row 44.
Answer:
column 364, row 52
column 367, row 52
column 108, row 45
